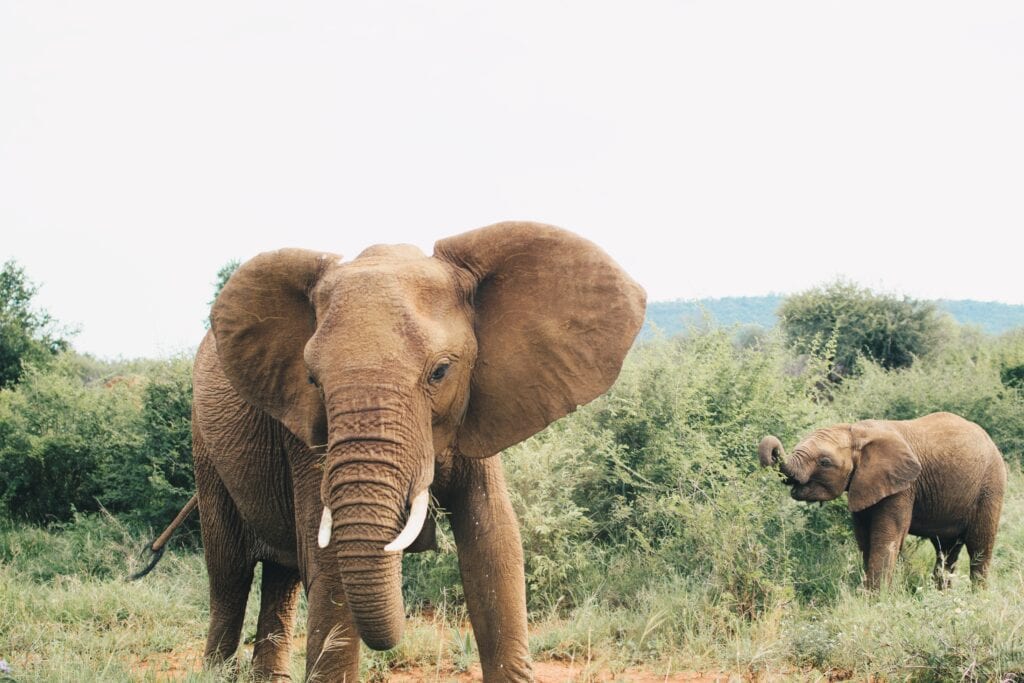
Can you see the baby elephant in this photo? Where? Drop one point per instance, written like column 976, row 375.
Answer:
column 939, row 477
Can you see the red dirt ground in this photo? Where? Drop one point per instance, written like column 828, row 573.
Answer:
column 174, row 666
column 564, row 672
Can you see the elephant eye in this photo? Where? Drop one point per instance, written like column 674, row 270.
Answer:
column 312, row 380
column 439, row 372
column 824, row 461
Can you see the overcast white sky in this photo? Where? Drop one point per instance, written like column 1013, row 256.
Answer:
column 713, row 147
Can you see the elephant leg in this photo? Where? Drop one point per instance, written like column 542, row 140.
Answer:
column 947, row 550
column 862, row 532
column 279, row 599
column 228, row 564
column 890, row 523
column 332, row 645
column 981, row 538
column 491, row 563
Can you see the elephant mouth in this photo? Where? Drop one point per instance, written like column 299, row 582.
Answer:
column 812, row 492
column 803, row 493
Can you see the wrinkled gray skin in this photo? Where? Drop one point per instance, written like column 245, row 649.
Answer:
column 939, row 477
column 358, row 385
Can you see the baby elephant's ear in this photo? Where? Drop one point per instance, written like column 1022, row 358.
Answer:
column 554, row 319
column 887, row 465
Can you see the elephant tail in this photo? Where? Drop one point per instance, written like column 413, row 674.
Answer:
column 157, row 546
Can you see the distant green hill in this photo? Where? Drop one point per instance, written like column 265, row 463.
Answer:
column 672, row 317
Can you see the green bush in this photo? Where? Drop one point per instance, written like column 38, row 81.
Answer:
column 58, row 437
column 68, row 445
column 885, row 329
column 27, row 335
column 153, row 484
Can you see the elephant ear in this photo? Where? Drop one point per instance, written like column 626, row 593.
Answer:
column 554, row 319
column 887, row 465
column 261, row 320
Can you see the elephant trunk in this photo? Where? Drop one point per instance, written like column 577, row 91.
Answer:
column 770, row 451
column 378, row 461
column 368, row 516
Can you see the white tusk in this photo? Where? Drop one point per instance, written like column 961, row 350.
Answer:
column 417, row 515
column 323, row 536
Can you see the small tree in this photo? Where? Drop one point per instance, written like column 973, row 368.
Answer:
column 26, row 334
column 223, row 275
column 889, row 330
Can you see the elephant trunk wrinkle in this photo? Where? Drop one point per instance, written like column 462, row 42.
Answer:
column 377, row 485
column 370, row 413
column 347, row 440
column 795, row 468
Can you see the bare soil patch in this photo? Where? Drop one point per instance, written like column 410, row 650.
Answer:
column 175, row 666
column 565, row 672
column 178, row 664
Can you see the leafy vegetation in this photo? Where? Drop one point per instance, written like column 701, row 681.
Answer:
column 27, row 335
column 885, row 329
column 120, row 441
column 223, row 275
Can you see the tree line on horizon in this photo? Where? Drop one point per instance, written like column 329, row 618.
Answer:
column 761, row 312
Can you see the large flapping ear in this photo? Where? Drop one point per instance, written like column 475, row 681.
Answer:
column 262, row 320
column 555, row 317
column 887, row 465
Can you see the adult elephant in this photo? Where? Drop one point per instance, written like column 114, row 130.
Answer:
column 332, row 398
column 939, row 477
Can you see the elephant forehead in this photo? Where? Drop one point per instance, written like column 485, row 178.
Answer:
column 414, row 301
column 834, row 437
column 379, row 282
column 397, row 252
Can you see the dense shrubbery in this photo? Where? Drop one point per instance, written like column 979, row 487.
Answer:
column 82, row 434
column 885, row 329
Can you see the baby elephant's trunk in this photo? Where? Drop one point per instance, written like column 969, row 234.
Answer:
column 770, row 451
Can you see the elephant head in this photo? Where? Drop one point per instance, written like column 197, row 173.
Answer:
column 386, row 361
column 868, row 459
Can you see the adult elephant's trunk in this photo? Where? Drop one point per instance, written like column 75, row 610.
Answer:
column 770, row 451
column 368, row 516
column 379, row 461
